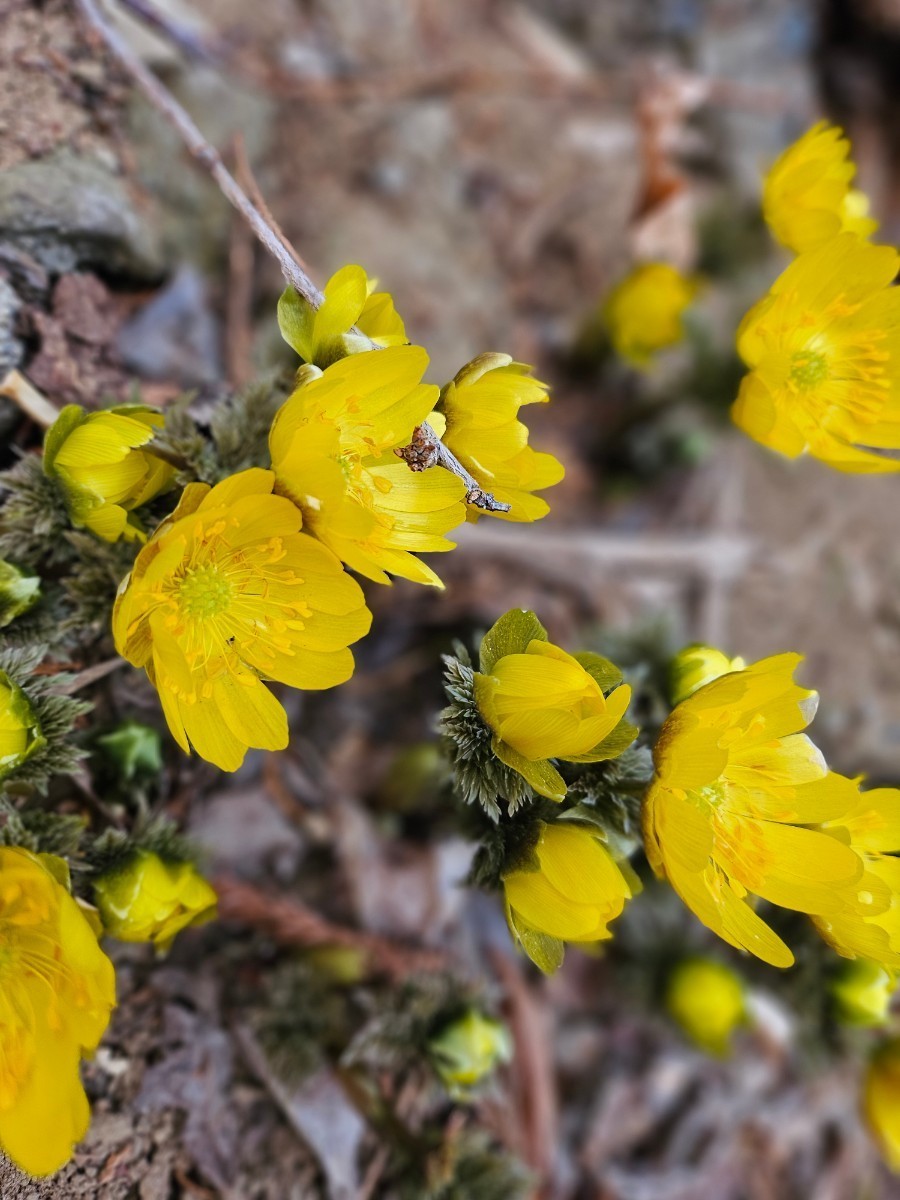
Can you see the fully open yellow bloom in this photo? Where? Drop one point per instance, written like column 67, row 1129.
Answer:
column 807, row 196
column 707, row 1000
column 102, row 471
column 868, row 923
column 569, row 893
column 881, row 1100
column 57, row 989
column 20, row 733
column 480, row 425
column 148, row 900
column 695, row 666
column 823, row 350
column 228, row 593
column 727, row 814
column 643, row 312
column 542, row 703
column 332, row 445
column 322, row 335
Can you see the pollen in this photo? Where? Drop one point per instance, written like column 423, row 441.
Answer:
column 204, row 592
column 808, row 370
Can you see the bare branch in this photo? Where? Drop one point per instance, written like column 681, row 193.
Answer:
column 253, row 213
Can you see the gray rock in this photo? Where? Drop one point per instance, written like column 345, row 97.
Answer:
column 175, row 336
column 71, row 213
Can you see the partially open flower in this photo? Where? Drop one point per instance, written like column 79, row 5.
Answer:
column 823, row 350
column 707, row 1000
column 808, row 197
column 695, row 666
column 228, row 593
column 644, row 311
column 467, row 1050
column 479, row 410
column 323, row 335
column 881, row 1100
column 20, row 733
column 569, row 892
column 103, row 472
column 57, row 989
column 542, row 703
column 332, row 445
column 730, row 812
column 147, row 900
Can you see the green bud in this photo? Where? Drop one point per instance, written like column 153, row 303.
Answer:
column 862, row 993
column 467, row 1049
column 18, row 592
column 134, row 748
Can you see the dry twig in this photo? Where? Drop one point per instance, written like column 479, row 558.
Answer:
column 292, row 270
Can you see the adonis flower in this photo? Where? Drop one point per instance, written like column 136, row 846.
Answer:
column 467, row 1050
column 101, row 469
column 228, row 593
column 807, row 196
column 881, row 1100
column 708, row 1001
column 147, row 900
column 729, row 813
column 868, row 923
column 541, row 703
column 332, row 445
column 322, row 335
column 479, row 410
column 20, row 733
column 57, row 989
column 643, row 312
column 823, row 350
column 569, row 892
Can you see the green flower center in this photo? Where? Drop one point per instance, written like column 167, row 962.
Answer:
column 204, row 592
column 808, row 370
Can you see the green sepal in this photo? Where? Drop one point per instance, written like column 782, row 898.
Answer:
column 511, row 634
column 604, row 673
column 295, row 320
column 612, row 745
column 544, row 950
column 541, row 775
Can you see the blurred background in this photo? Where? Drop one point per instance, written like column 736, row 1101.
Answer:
column 499, row 165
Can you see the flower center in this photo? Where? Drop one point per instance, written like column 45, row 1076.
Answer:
column 204, row 592
column 808, row 370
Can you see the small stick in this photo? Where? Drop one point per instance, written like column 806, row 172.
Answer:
column 291, row 268
column 25, row 396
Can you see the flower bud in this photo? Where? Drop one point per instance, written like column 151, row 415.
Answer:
column 148, row 900
column 643, row 312
column 20, row 733
column 134, row 748
column 862, row 993
column 707, row 1000
column 465, row 1051
column 18, row 592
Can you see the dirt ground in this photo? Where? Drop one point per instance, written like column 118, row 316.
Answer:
column 489, row 162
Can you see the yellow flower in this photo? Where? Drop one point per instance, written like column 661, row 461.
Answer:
column 332, row 445
column 867, row 925
column 541, row 703
column 467, row 1050
column 823, row 350
column 478, row 417
column 707, row 1000
column 726, row 815
column 57, row 989
column 20, row 733
column 863, row 992
column 148, row 900
column 102, row 471
column 228, row 593
column 807, row 195
column 322, row 335
column 643, row 312
column 697, row 665
column 881, row 1100
column 569, row 893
